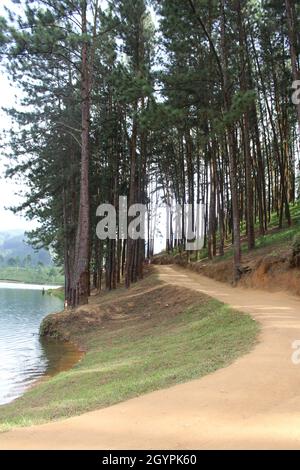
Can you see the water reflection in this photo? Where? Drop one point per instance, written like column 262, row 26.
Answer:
column 24, row 358
column 60, row 356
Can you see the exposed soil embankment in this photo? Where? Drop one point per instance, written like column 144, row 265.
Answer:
column 274, row 273
column 262, row 269
column 145, row 302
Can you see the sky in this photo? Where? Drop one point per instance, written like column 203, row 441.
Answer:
column 8, row 188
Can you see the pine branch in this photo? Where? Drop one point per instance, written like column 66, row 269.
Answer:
column 211, row 43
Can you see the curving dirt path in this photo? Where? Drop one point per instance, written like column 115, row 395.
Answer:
column 254, row 403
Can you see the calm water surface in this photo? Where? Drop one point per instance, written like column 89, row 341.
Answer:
column 24, row 358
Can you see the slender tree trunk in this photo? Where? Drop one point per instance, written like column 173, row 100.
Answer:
column 132, row 195
column 82, row 256
column 291, row 17
column 232, row 154
column 246, row 133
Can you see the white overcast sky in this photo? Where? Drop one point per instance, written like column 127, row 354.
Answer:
column 8, row 188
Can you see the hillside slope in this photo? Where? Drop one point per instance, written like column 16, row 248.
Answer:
column 21, row 263
column 13, row 245
column 272, row 265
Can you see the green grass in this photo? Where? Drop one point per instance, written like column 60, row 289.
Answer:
column 275, row 237
column 60, row 293
column 138, row 357
column 31, row 275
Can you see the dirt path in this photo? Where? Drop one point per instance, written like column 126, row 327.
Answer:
column 254, row 403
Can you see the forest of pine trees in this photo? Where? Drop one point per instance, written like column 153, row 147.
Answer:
column 184, row 100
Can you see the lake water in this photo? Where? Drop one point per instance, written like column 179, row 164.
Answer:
column 24, row 358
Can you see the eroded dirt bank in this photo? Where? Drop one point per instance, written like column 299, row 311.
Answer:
column 272, row 270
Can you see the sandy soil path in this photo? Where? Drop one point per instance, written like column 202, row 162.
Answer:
column 254, row 403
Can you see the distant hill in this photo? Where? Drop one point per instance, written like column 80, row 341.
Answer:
column 14, row 251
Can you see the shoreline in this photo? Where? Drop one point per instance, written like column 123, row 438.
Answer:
column 26, row 285
column 73, row 354
column 70, row 354
column 60, row 356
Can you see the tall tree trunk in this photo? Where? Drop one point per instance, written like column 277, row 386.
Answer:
column 292, row 31
column 132, row 194
column 246, row 125
column 82, row 256
column 232, row 152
